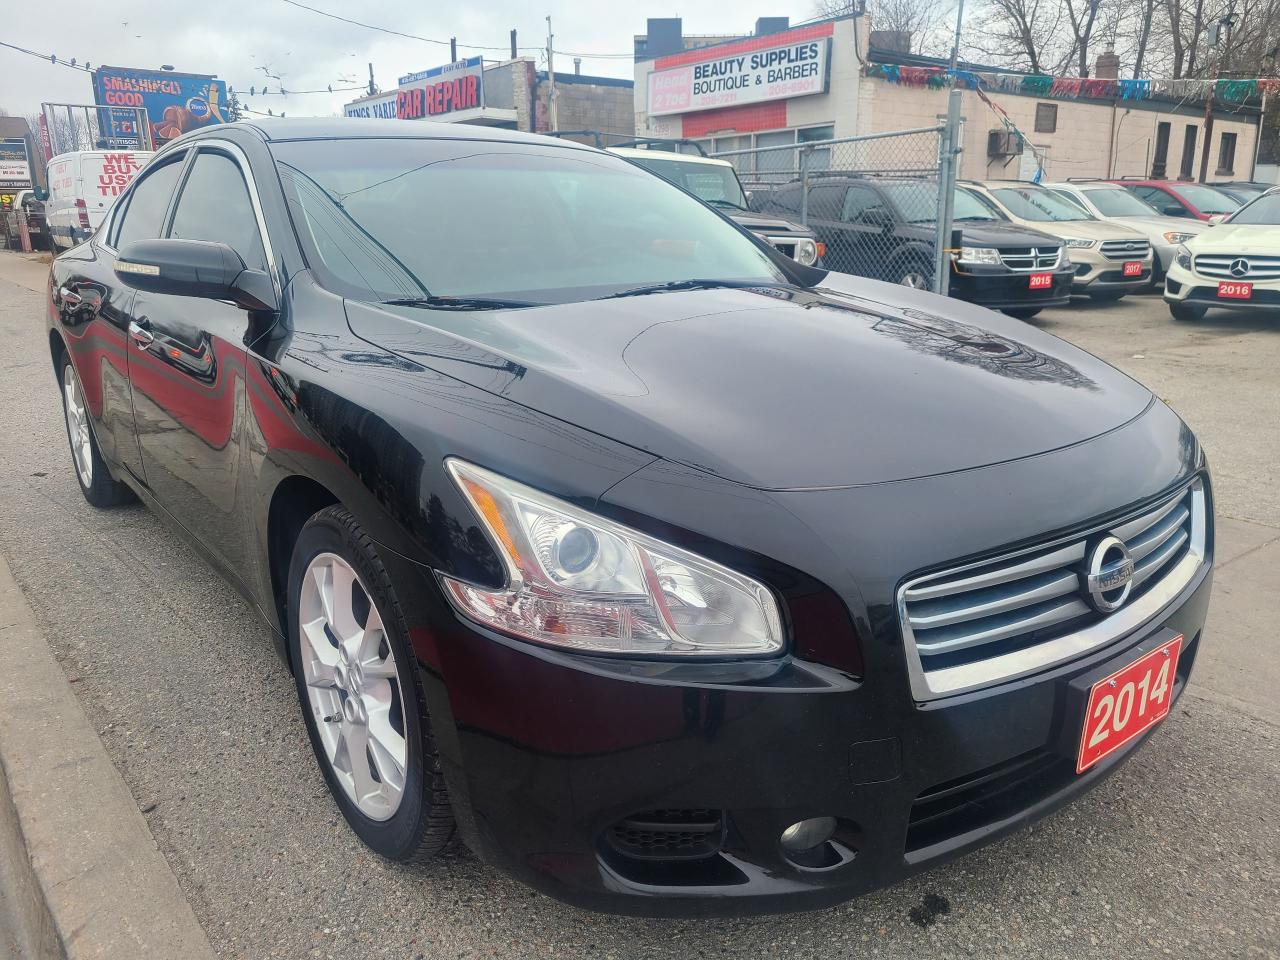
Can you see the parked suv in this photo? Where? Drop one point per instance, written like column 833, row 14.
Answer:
column 1173, row 198
column 887, row 229
column 716, row 182
column 1110, row 260
column 1110, row 201
column 1235, row 265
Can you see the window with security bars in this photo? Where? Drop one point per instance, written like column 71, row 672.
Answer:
column 1227, row 153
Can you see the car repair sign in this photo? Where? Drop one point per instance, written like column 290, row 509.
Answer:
column 15, row 168
column 795, row 69
column 441, row 90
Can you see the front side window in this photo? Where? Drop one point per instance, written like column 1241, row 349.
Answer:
column 397, row 218
column 713, row 182
column 143, row 219
column 1038, row 204
column 1207, row 199
column 215, row 205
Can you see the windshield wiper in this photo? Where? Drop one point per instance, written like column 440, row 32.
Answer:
column 461, row 303
column 726, row 203
column 697, row 284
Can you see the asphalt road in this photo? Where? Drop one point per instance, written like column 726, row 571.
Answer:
column 1175, row 856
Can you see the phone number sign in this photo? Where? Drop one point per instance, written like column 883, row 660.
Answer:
column 775, row 73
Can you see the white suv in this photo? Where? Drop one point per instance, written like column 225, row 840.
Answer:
column 1234, row 265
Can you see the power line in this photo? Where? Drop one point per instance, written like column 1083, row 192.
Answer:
column 395, row 33
column 47, row 56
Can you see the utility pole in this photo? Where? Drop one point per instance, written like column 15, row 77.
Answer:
column 949, row 159
column 513, row 43
column 1223, row 51
column 553, row 117
column 373, row 87
column 453, row 49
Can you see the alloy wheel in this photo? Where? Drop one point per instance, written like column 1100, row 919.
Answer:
column 915, row 280
column 77, row 425
column 353, row 687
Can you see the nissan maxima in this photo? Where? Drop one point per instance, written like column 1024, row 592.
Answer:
column 670, row 575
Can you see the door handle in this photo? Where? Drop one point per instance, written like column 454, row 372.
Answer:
column 69, row 296
column 140, row 335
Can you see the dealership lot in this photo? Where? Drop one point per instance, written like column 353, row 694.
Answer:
column 1173, row 856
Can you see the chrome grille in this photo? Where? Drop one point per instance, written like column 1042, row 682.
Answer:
column 998, row 619
column 1218, row 265
column 1126, row 249
column 1026, row 259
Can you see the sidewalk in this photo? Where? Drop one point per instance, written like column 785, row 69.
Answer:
column 30, row 270
column 81, row 875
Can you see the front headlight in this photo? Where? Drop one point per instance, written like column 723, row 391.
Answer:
column 1173, row 236
column 979, row 256
column 1078, row 243
column 1182, row 257
column 806, row 252
column 579, row 581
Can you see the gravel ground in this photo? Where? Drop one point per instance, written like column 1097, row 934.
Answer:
column 1174, row 856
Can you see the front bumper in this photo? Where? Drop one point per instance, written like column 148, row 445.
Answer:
column 1098, row 274
column 546, row 753
column 1185, row 286
column 1000, row 289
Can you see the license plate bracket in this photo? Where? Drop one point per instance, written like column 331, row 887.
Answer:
column 1121, row 701
column 1133, row 268
column 1040, row 281
column 1235, row 290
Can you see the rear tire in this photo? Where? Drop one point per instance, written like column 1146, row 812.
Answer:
column 96, row 482
column 1187, row 312
column 1024, row 313
column 913, row 272
column 362, row 700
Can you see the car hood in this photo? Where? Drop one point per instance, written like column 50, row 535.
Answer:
column 859, row 382
column 1243, row 238
column 1003, row 233
column 763, row 223
column 1157, row 226
column 1088, row 229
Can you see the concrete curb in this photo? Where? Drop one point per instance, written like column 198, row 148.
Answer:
column 82, row 876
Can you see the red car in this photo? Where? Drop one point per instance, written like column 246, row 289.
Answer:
column 1177, row 198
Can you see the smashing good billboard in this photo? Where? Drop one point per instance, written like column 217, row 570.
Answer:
column 176, row 103
column 780, row 72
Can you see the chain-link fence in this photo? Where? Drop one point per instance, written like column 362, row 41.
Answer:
column 873, row 201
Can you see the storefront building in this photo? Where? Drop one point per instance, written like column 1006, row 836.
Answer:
column 512, row 94
column 777, row 86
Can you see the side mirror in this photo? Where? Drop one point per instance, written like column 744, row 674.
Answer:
column 194, row 268
column 41, row 194
column 1173, row 210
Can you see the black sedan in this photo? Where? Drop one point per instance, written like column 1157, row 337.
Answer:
column 673, row 576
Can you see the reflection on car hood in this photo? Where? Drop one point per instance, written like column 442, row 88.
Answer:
column 858, row 383
column 1002, row 233
column 1156, row 226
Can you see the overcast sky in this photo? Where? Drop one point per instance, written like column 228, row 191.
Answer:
column 237, row 39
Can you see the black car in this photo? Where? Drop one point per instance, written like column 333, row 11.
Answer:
column 886, row 228
column 675, row 577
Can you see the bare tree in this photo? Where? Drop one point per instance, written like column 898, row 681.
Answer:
column 924, row 20
column 1023, row 34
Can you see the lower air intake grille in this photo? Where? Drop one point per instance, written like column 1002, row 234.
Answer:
column 668, row 835
column 999, row 619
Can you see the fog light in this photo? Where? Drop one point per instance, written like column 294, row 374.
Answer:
column 808, row 834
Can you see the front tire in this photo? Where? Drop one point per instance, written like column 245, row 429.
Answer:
column 96, row 482
column 1186, row 312
column 1023, row 313
column 361, row 697
column 1107, row 296
column 914, row 272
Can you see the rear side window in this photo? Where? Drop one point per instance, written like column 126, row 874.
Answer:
column 215, row 205
column 143, row 219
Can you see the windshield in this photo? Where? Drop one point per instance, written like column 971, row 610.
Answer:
column 1262, row 210
column 917, row 202
column 711, row 182
column 1119, row 202
column 410, row 218
column 1038, row 204
column 1207, row 199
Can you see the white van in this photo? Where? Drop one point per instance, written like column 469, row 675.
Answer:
column 82, row 186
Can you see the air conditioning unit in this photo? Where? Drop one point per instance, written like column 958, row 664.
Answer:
column 1004, row 143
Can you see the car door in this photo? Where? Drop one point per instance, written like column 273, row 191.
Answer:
column 824, row 205
column 187, row 367
column 95, row 308
column 864, row 232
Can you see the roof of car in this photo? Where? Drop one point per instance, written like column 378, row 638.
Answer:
column 343, row 128
column 1083, row 185
column 996, row 184
column 642, row 153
